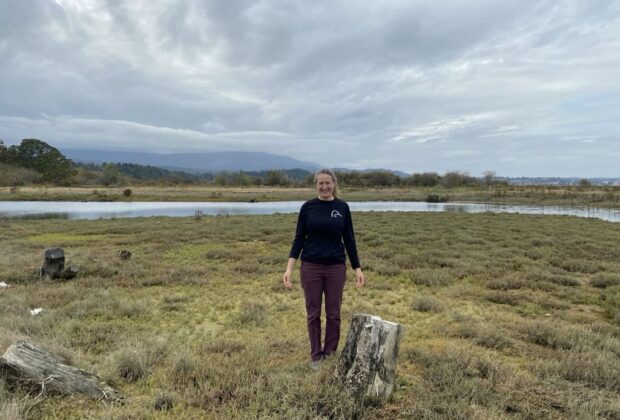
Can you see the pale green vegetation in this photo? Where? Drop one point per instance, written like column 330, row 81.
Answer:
column 500, row 194
column 505, row 316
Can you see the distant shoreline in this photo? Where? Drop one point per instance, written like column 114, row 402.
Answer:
column 606, row 197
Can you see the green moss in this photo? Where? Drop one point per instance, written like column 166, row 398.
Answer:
column 53, row 238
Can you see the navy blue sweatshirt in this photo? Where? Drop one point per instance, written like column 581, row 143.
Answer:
column 322, row 228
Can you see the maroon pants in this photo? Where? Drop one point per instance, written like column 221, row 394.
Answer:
column 316, row 280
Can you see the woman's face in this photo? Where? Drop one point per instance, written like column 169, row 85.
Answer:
column 325, row 186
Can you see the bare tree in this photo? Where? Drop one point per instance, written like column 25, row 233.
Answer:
column 489, row 178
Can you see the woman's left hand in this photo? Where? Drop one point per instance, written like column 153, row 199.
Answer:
column 359, row 278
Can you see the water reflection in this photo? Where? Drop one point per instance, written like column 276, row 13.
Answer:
column 41, row 216
column 109, row 210
column 456, row 208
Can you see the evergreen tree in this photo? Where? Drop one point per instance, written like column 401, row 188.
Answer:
column 43, row 158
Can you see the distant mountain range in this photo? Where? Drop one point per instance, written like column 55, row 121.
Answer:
column 194, row 162
column 213, row 162
column 392, row 171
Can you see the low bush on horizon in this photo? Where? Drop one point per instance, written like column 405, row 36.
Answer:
column 505, row 316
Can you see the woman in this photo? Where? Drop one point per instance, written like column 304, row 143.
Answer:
column 324, row 230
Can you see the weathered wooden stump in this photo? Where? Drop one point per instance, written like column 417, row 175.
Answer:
column 53, row 263
column 368, row 362
column 124, row 254
column 26, row 363
column 69, row 272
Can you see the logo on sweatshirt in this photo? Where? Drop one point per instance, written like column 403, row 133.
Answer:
column 336, row 213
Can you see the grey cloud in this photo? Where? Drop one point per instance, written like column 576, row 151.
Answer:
column 414, row 86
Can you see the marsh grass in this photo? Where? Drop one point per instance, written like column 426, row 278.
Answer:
column 252, row 314
column 603, row 280
column 431, row 278
column 164, row 401
column 428, row 304
column 14, row 404
column 501, row 194
column 505, row 316
column 600, row 370
column 489, row 336
column 461, row 382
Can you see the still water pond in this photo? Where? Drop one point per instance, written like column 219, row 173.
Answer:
column 98, row 210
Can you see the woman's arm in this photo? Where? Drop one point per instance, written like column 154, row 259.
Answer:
column 348, row 237
column 298, row 244
column 286, row 278
column 300, row 234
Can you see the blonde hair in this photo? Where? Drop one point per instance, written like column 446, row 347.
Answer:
column 331, row 173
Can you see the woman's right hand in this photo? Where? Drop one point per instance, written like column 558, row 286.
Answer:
column 286, row 279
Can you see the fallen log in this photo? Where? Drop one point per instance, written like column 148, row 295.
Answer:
column 26, row 363
column 368, row 361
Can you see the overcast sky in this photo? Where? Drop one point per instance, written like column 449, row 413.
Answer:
column 523, row 88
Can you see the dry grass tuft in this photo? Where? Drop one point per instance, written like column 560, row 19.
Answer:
column 505, row 298
column 252, row 313
column 163, row 402
column 598, row 369
column 431, row 278
column 131, row 365
column 224, row 347
column 485, row 335
column 428, row 304
column 603, row 280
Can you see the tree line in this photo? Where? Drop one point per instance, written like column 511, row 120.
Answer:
column 33, row 161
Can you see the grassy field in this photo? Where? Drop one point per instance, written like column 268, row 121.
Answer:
column 548, row 195
column 505, row 316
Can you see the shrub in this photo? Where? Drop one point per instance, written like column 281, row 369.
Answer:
column 13, row 410
column 455, row 378
column 225, row 347
column 597, row 369
column 137, row 359
column 611, row 300
column 248, row 267
column 163, row 402
column 176, row 298
column 183, row 369
column 16, row 176
column 387, row 269
column 504, row 298
column 130, row 308
column 603, row 280
column 564, row 281
column 253, row 313
column 427, row 277
column 576, row 265
column 436, row 198
column 428, row 304
column 130, row 365
column 560, row 336
column 485, row 335
column 506, row 283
